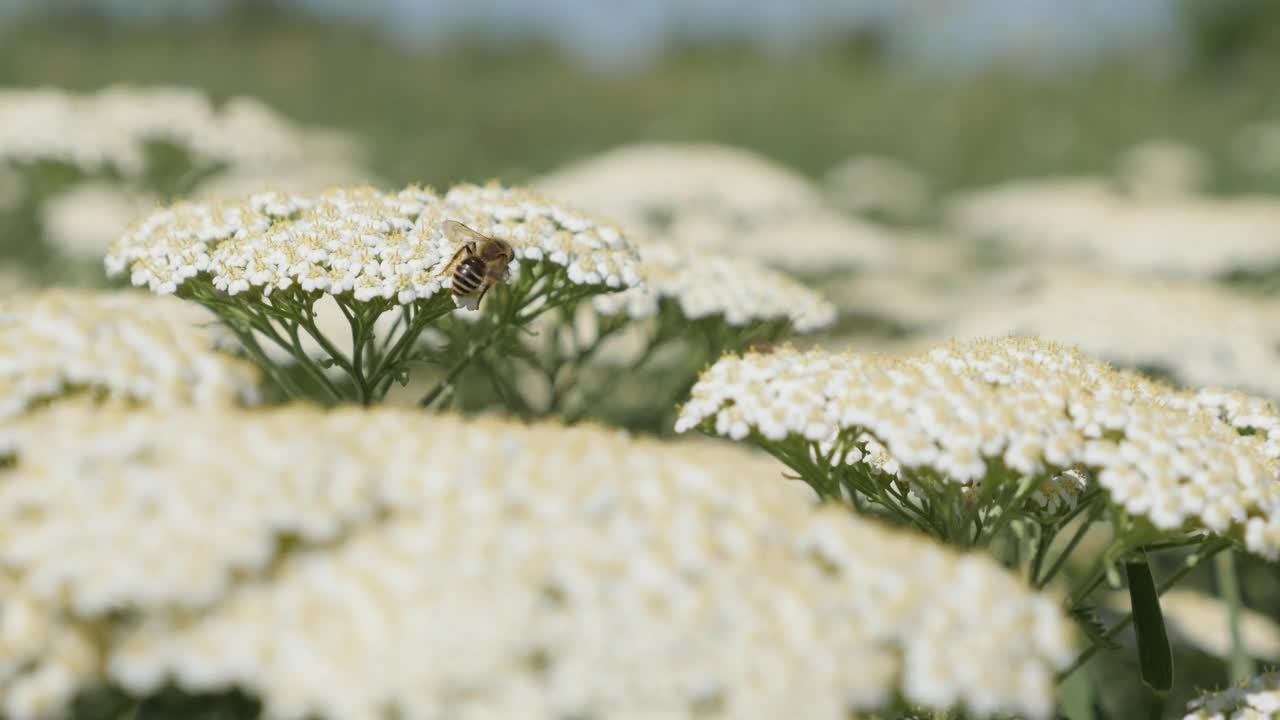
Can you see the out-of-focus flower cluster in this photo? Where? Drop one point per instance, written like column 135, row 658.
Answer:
column 1200, row 334
column 704, row 284
column 1088, row 219
column 720, row 199
column 1014, row 408
column 880, row 187
column 351, row 563
column 1204, row 622
column 1259, row 699
column 110, row 129
column 117, row 346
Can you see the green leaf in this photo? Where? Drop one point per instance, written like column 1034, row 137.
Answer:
column 1087, row 618
column 1154, row 655
column 1077, row 697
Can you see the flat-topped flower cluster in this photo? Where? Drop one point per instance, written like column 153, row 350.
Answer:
column 1016, row 409
column 370, row 243
column 110, row 129
column 115, row 346
column 373, row 560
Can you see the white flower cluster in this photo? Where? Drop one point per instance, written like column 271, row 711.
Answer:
column 706, row 284
column 360, row 240
column 82, row 222
column 1203, row 335
column 643, row 183
column 1163, row 168
column 1248, row 414
column 1259, row 699
column 966, row 409
column 122, row 345
column 354, row 563
column 110, row 128
column 721, row 199
column 1087, row 219
column 878, row 186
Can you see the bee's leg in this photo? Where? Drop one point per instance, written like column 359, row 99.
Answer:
column 469, row 248
column 483, row 290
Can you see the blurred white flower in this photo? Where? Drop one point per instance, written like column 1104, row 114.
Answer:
column 707, row 284
column 878, row 186
column 1256, row 148
column 1163, row 168
column 1201, row 334
column 1087, row 219
column 110, row 128
column 356, row 562
column 82, row 222
column 721, row 199
column 644, row 184
column 118, row 345
column 1203, row 622
column 1258, row 699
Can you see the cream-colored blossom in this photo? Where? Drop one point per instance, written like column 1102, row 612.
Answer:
column 306, row 177
column 110, row 128
column 360, row 240
column 705, row 284
column 1203, row 622
column 1087, row 219
column 1256, row 148
column 49, row 125
column 1163, row 168
column 121, row 345
column 724, row 200
column 651, row 183
column 354, row 563
column 1201, row 334
column 965, row 409
column 1259, row 699
column 82, row 222
column 878, row 186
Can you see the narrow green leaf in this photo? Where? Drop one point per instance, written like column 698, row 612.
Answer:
column 1086, row 618
column 1154, row 655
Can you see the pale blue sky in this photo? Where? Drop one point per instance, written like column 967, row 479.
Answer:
column 954, row 34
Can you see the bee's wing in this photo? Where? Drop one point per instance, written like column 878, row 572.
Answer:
column 460, row 234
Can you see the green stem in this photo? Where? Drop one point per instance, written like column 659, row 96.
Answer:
column 1071, row 546
column 1207, row 551
column 458, row 367
column 1241, row 663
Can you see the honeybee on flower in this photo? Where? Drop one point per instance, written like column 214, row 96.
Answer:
column 480, row 263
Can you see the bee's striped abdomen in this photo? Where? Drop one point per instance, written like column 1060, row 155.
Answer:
column 468, row 277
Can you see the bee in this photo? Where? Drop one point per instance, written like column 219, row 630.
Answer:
column 480, row 263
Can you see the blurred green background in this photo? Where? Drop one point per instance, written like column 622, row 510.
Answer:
column 472, row 108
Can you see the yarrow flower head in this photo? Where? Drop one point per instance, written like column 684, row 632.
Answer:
column 118, row 346
column 484, row 555
column 1258, row 699
column 112, row 128
column 262, row 264
column 984, row 415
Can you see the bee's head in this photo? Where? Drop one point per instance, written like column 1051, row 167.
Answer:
column 497, row 250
